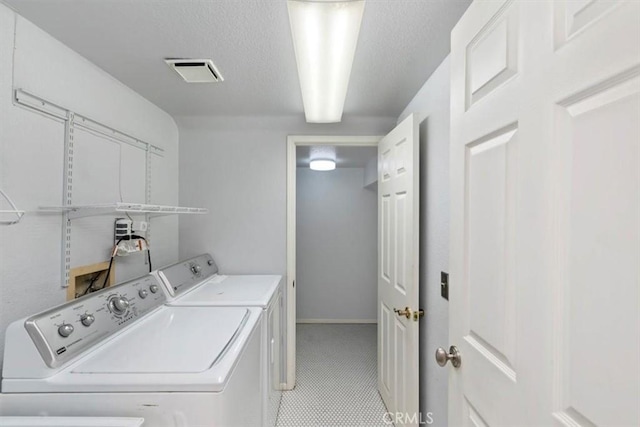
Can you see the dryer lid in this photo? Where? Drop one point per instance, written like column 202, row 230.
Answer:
column 249, row 290
column 177, row 340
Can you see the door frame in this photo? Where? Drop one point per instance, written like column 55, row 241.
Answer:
column 294, row 141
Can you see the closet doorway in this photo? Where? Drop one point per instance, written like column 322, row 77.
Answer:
column 345, row 151
column 336, row 235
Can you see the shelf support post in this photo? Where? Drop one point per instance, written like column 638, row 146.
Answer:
column 67, row 193
column 147, row 186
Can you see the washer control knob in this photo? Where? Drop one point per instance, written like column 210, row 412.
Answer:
column 65, row 330
column 87, row 319
column 210, row 262
column 153, row 288
column 143, row 293
column 195, row 269
column 119, row 304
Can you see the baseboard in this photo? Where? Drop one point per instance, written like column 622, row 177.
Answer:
column 336, row 321
column 284, row 387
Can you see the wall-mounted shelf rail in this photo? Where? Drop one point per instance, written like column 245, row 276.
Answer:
column 36, row 103
column 68, row 211
column 16, row 213
column 79, row 211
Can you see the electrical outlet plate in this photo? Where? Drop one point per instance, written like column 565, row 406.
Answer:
column 139, row 226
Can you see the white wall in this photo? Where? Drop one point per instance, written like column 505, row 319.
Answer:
column 31, row 167
column 336, row 246
column 236, row 167
column 371, row 174
column 431, row 104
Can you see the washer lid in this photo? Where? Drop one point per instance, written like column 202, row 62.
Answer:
column 175, row 340
column 70, row 422
column 250, row 291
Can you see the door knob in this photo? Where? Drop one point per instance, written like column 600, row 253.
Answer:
column 406, row 312
column 442, row 357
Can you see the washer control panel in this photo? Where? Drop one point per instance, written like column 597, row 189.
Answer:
column 67, row 330
column 184, row 275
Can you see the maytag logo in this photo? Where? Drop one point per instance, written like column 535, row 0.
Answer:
column 61, row 350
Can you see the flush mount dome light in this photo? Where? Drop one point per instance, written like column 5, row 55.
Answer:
column 322, row 165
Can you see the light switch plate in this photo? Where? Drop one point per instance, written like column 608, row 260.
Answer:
column 444, row 285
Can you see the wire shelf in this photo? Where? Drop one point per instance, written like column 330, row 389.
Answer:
column 79, row 211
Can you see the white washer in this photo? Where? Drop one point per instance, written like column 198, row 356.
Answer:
column 123, row 352
column 196, row 283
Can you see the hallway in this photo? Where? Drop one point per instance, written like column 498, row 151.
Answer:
column 336, row 378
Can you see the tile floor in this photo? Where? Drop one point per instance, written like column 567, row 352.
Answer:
column 336, row 378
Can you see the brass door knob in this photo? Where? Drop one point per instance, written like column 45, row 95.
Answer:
column 442, row 357
column 406, row 312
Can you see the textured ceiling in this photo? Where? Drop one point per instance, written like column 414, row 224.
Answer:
column 346, row 157
column 401, row 43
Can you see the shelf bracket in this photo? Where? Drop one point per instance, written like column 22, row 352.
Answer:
column 14, row 211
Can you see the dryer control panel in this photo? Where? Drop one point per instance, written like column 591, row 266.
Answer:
column 67, row 330
column 183, row 276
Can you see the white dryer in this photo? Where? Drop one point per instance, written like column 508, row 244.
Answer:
column 196, row 283
column 123, row 352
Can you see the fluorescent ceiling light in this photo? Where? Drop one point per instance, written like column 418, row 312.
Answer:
column 325, row 35
column 322, row 165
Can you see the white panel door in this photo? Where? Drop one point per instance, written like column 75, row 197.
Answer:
column 398, row 204
column 545, row 238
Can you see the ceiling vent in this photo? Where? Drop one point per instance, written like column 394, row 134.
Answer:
column 196, row 70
